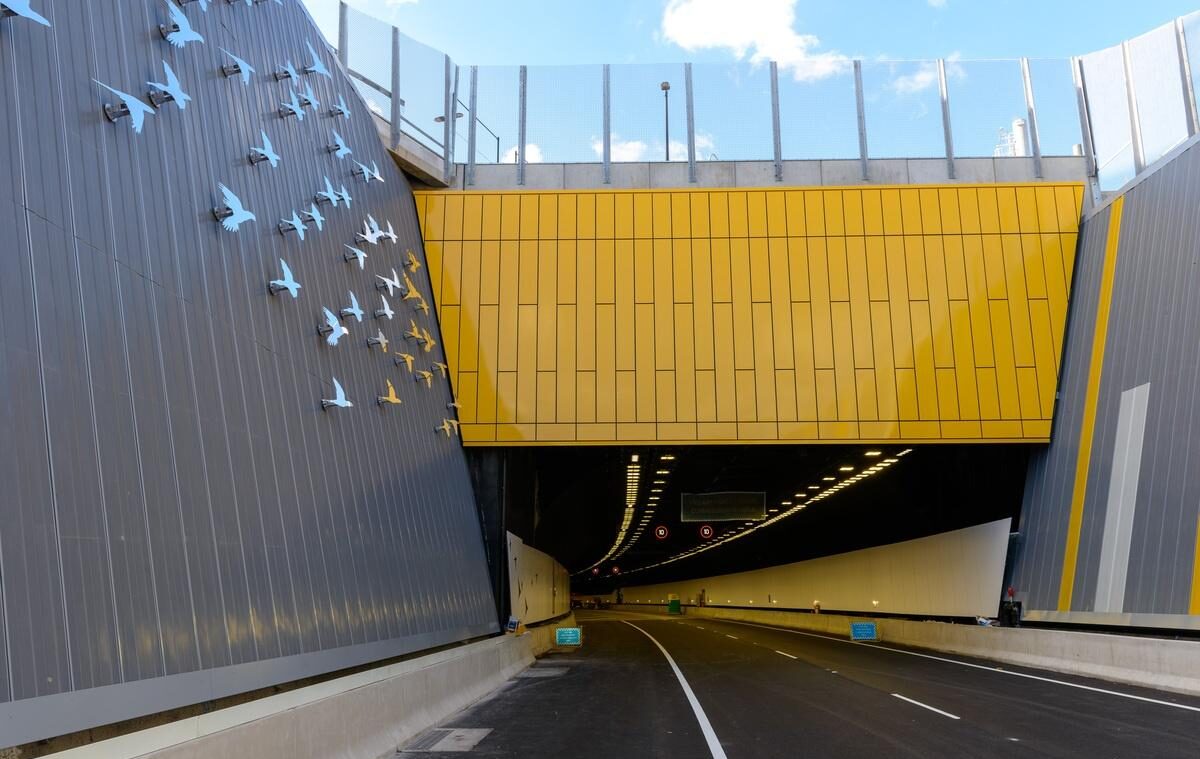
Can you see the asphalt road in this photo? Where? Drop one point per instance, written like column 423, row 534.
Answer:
column 742, row 691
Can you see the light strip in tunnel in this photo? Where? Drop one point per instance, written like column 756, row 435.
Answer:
column 795, row 507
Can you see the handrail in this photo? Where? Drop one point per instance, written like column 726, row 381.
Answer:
column 388, row 93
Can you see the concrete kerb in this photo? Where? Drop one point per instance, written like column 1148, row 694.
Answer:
column 1170, row 665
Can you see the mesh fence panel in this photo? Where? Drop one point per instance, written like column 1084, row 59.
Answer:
column 733, row 112
column 986, row 97
column 497, row 113
column 1057, row 106
column 1104, row 75
column 639, row 129
column 1158, row 90
column 422, row 87
column 564, row 114
column 904, row 109
column 818, row 116
column 370, row 56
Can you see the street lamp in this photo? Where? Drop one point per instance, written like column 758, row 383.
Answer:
column 666, row 88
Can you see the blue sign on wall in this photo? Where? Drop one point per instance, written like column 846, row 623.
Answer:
column 568, row 636
column 863, row 631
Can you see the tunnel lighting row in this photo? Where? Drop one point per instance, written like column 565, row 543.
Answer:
column 629, row 532
column 801, row 500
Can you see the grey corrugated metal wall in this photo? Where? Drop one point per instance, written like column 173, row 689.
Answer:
column 179, row 519
column 1153, row 336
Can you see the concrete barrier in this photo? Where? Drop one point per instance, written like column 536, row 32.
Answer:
column 361, row 716
column 1171, row 665
column 541, row 637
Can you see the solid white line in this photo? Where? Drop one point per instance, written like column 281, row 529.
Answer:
column 731, row 636
column 787, row 655
column 925, row 706
column 975, row 666
column 714, row 745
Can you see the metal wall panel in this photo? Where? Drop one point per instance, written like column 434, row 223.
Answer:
column 1151, row 338
column 179, row 518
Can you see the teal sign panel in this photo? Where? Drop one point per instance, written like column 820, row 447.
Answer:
column 863, row 631
column 568, row 636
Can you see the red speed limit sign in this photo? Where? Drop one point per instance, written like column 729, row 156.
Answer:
column 661, row 532
column 706, row 531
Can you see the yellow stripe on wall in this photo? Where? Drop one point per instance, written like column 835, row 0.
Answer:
column 1090, row 401
column 781, row 314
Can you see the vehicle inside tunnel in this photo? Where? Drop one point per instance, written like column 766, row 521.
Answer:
column 615, row 516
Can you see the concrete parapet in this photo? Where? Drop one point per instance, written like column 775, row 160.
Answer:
column 364, row 715
column 1170, row 665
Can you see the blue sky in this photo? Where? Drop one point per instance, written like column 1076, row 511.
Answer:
column 729, row 42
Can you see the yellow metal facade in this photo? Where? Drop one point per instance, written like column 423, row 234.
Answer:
column 713, row 316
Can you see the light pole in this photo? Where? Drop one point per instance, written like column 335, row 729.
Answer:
column 666, row 88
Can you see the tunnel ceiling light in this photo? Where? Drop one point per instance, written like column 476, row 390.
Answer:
column 890, row 461
column 814, row 487
column 634, row 458
column 905, row 452
column 659, row 482
column 655, row 490
column 873, row 453
column 663, row 471
column 845, row 469
column 829, row 479
column 667, row 457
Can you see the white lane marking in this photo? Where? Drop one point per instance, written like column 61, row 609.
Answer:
column 714, row 745
column 925, row 706
column 731, row 636
column 781, row 653
column 1025, row 675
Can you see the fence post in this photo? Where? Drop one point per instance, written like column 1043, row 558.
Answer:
column 395, row 88
column 607, row 130
column 448, row 127
column 1085, row 128
column 862, row 119
column 469, row 178
column 691, row 121
column 1035, row 142
column 343, row 34
column 1135, row 122
column 1185, row 77
column 777, row 136
column 947, row 132
column 521, row 130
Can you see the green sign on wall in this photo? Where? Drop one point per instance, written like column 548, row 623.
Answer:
column 568, row 636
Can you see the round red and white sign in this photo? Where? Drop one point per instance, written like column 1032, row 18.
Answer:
column 706, row 531
column 661, row 532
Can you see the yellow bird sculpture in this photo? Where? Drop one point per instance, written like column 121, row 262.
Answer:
column 390, row 398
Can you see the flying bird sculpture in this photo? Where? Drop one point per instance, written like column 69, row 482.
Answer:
column 21, row 8
column 380, row 340
column 340, row 109
column 354, row 254
column 265, row 153
column 427, row 341
column 390, row 284
column 180, row 32
column 332, row 328
column 443, row 369
column 313, row 214
column 130, row 106
column 170, row 91
column 406, row 359
column 391, row 234
column 413, row 263
column 423, row 375
column 328, row 195
column 370, row 233
column 339, row 148
column 233, row 214
column 353, row 309
column 414, row 332
column 238, row 66
column 293, row 224
column 345, row 196
column 287, row 71
column 309, row 97
column 286, row 282
column 291, row 107
column 339, row 397
column 391, row 398
column 448, row 426
column 423, row 307
column 316, row 67
column 386, row 311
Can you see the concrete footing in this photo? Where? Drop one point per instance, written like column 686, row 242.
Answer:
column 1170, row 665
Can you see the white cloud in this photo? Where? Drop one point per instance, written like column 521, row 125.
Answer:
column 926, row 76
column 533, row 154
column 623, row 151
column 762, row 30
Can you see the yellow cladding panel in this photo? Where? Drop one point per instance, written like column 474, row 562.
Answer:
column 717, row 316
